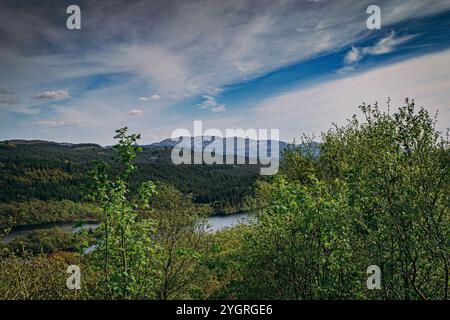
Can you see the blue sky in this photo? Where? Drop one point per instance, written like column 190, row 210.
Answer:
column 156, row 66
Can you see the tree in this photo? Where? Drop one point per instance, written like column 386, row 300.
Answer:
column 376, row 192
column 396, row 168
column 299, row 248
column 182, row 239
column 126, row 253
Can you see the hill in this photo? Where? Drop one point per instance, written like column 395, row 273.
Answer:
column 45, row 170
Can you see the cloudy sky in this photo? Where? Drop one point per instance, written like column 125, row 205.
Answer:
column 156, row 65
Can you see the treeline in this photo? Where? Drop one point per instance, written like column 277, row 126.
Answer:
column 34, row 212
column 50, row 171
column 45, row 241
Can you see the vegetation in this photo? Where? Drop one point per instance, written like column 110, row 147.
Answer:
column 375, row 193
column 36, row 277
column 44, row 241
column 34, row 212
column 47, row 171
column 181, row 226
column 126, row 250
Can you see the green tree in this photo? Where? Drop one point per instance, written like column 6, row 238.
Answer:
column 299, row 247
column 183, row 242
column 373, row 192
column 396, row 168
column 126, row 253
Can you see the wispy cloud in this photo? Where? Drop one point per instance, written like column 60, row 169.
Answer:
column 134, row 112
column 210, row 103
column 354, row 55
column 219, row 108
column 61, row 123
column 194, row 46
column 387, row 44
column 177, row 50
column 383, row 46
column 421, row 78
column 153, row 97
column 58, row 94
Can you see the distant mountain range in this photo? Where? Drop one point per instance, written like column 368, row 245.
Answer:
column 43, row 170
column 42, row 142
column 238, row 146
column 241, row 147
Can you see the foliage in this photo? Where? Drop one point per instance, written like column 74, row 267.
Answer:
column 372, row 192
column 126, row 250
column 396, row 167
column 40, row 277
column 47, row 171
column 377, row 193
column 299, row 247
column 44, row 241
column 34, row 212
column 223, row 279
column 182, row 239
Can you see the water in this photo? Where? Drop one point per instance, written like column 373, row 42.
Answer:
column 66, row 226
column 216, row 223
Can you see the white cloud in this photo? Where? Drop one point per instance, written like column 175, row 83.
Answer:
column 210, row 103
column 58, row 94
column 387, row 44
column 156, row 65
column 383, row 46
column 153, row 97
column 193, row 46
column 346, row 69
column 219, row 108
column 178, row 49
column 354, row 55
column 197, row 46
column 61, row 123
column 313, row 109
column 134, row 112
column 103, row 110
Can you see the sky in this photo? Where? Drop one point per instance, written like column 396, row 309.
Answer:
column 156, row 66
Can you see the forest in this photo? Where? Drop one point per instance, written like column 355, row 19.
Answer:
column 374, row 191
column 43, row 177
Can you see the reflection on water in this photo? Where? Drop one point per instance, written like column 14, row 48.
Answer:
column 215, row 223
column 66, row 226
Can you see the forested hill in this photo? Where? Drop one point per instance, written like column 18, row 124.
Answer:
column 54, row 171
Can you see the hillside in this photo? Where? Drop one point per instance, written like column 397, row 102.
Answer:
column 54, row 171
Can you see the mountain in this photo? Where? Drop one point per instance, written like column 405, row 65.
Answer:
column 44, row 142
column 47, row 171
column 241, row 147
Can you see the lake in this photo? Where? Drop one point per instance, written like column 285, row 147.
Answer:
column 216, row 223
